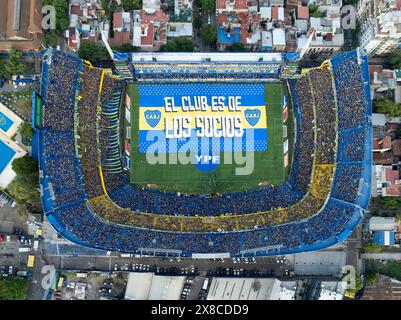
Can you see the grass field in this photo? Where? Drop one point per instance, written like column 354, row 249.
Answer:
column 268, row 165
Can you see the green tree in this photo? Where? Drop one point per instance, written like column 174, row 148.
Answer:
column 14, row 65
column 25, row 186
column 316, row 14
column 394, row 59
column 198, row 22
column 108, row 6
column 208, row 5
column 13, row 288
column 25, row 130
column 24, row 166
column 313, row 7
column 371, row 278
column 209, row 34
column 130, row 5
column 388, row 107
column 92, row 52
column 180, row 44
column 390, row 202
column 50, row 39
column 2, row 68
column 237, row 47
column 372, row 248
column 126, row 47
column 25, row 190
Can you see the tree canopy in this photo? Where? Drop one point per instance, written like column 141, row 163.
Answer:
column 372, row 248
column 371, row 278
column 390, row 202
column 208, row 5
column 50, row 39
column 388, row 107
column 209, row 34
column 12, row 288
column 130, row 5
column 25, row 165
column 93, row 52
column 25, row 130
column 394, row 59
column 197, row 21
column 313, row 7
column 13, row 65
column 236, row 47
column 126, row 47
column 180, row 44
column 108, row 6
column 25, row 186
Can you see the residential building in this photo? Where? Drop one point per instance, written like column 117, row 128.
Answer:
column 149, row 28
column 380, row 25
column 324, row 35
column 388, row 181
column 83, row 15
column 383, row 82
column 122, row 28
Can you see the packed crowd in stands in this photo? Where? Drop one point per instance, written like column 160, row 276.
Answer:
column 206, row 71
column 352, row 145
column 206, row 67
column 91, row 230
column 87, row 130
column 59, row 163
column 302, row 209
column 347, row 183
column 323, row 97
column 62, row 85
column 59, row 143
column 352, row 102
column 305, row 142
column 196, row 223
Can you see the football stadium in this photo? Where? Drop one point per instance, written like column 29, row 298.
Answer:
column 204, row 155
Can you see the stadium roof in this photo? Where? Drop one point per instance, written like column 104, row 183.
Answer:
column 250, row 289
column 382, row 224
column 148, row 286
column 159, row 57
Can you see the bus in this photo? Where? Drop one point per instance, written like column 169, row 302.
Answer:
column 205, row 284
column 31, row 261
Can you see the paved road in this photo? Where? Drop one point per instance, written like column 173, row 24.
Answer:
column 382, row 256
column 353, row 249
column 108, row 263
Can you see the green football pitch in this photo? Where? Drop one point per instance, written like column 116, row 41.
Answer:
column 268, row 166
